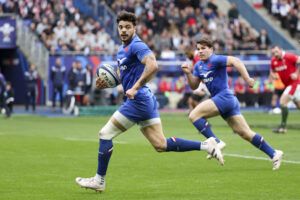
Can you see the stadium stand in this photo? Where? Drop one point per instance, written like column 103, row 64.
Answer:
column 84, row 31
column 287, row 12
column 61, row 26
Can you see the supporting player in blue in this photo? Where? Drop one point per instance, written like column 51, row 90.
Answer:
column 211, row 70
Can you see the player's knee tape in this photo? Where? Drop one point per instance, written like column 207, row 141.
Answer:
column 124, row 121
column 109, row 131
column 149, row 122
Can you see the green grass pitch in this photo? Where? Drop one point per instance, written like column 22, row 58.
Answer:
column 40, row 158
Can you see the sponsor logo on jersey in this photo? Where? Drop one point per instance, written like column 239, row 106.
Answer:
column 120, row 63
column 123, row 67
column 206, row 74
column 121, row 60
column 206, row 78
column 280, row 68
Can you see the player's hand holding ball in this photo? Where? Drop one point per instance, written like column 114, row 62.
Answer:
column 107, row 77
column 101, row 83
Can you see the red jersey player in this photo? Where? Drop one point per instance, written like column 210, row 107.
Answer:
column 287, row 65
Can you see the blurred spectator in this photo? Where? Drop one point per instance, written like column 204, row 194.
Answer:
column 266, row 95
column 284, row 9
column 31, row 77
column 292, row 20
column 88, row 83
column 3, row 105
column 57, row 77
column 9, row 97
column 240, row 90
column 77, row 81
column 233, row 13
column 252, row 94
column 72, row 77
column 80, row 80
column 263, row 41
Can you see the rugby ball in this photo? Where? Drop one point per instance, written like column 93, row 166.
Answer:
column 108, row 76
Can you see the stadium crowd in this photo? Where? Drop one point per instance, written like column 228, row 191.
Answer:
column 61, row 26
column 287, row 12
column 175, row 25
column 166, row 26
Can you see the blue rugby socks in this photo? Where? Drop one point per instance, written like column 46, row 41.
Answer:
column 259, row 142
column 104, row 154
column 204, row 128
column 181, row 145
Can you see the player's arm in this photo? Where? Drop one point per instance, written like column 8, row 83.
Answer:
column 296, row 74
column 192, row 80
column 150, row 69
column 241, row 68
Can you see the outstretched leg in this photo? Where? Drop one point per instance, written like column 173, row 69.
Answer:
column 240, row 126
column 156, row 137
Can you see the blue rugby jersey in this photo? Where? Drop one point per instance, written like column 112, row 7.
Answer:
column 129, row 62
column 213, row 73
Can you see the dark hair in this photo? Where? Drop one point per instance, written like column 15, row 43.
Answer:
column 206, row 42
column 126, row 16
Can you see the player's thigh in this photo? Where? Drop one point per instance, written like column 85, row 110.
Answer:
column 116, row 125
column 285, row 98
column 155, row 136
column 204, row 109
column 240, row 126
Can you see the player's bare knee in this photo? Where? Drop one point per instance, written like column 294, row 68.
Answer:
column 193, row 116
column 160, row 146
column 246, row 135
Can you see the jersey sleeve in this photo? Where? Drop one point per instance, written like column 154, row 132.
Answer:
column 140, row 49
column 220, row 61
column 196, row 70
column 292, row 57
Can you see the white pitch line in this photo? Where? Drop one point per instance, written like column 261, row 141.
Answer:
column 259, row 158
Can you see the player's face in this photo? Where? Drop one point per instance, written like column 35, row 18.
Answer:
column 126, row 30
column 276, row 52
column 204, row 52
